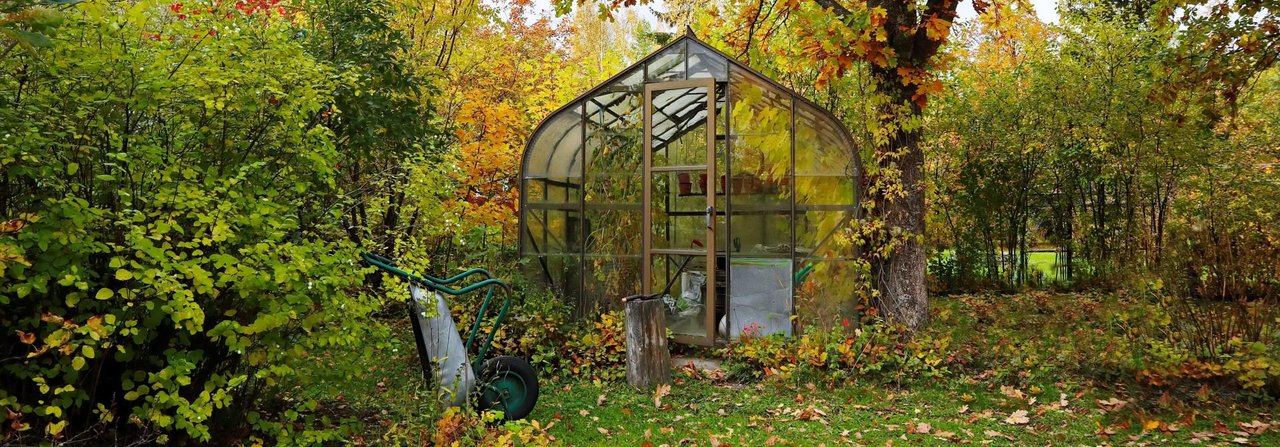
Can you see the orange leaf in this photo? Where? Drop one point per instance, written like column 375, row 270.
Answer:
column 26, row 338
column 937, row 28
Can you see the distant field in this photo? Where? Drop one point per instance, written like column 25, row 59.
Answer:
column 1043, row 261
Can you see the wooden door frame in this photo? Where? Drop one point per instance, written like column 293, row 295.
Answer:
column 709, row 245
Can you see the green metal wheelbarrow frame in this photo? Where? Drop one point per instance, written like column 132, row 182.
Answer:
column 441, row 285
column 479, row 366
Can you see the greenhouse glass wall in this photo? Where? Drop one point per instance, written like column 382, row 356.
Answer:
column 691, row 176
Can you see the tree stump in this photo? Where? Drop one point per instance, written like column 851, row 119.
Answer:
column 648, row 358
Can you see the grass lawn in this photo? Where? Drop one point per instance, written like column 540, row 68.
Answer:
column 698, row 412
column 1036, row 394
column 1044, row 262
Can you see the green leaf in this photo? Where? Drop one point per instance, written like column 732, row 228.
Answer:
column 77, row 363
column 87, row 351
column 123, row 275
column 27, row 38
column 73, row 168
column 104, row 293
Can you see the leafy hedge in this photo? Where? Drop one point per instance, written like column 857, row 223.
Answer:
column 173, row 243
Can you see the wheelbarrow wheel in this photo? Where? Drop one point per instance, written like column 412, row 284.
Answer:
column 510, row 385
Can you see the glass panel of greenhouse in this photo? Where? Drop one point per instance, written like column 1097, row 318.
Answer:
column 690, row 177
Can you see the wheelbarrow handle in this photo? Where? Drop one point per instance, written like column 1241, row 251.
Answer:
column 389, row 265
column 640, row 297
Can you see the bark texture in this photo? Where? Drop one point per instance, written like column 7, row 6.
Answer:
column 648, row 357
column 901, row 278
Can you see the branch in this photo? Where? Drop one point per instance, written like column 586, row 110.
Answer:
column 925, row 47
column 841, row 11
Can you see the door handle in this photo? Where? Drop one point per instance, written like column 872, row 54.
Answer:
column 710, row 212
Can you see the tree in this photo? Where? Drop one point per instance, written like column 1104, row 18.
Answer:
column 1224, row 44
column 900, row 43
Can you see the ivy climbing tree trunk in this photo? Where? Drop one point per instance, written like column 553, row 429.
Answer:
column 899, row 40
column 900, row 278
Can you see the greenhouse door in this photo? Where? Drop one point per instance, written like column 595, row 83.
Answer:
column 680, row 186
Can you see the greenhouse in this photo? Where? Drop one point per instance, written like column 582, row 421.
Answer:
column 691, row 176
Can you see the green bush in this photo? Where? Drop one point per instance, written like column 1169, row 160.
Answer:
column 875, row 350
column 173, row 244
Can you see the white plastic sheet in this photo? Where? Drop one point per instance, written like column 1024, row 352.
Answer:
column 760, row 296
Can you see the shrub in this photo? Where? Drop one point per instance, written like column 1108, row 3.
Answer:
column 172, row 246
column 463, row 429
column 875, row 350
column 598, row 350
column 1190, row 339
column 540, row 329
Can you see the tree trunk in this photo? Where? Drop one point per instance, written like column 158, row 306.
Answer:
column 648, row 358
column 901, row 278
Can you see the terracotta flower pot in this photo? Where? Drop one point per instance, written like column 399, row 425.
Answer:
column 686, row 186
column 754, row 184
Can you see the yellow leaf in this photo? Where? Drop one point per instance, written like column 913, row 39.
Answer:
column 54, row 428
column 937, row 28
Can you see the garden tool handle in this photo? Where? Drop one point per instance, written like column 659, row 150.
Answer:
column 640, row 297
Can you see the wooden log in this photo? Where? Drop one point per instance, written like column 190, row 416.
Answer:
column 648, row 357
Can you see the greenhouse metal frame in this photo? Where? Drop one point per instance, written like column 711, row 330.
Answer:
column 747, row 188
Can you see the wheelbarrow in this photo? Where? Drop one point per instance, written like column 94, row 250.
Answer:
column 506, row 383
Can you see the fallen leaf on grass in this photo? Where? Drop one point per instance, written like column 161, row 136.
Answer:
column 1018, row 418
column 1150, row 425
column 922, row 428
column 996, row 434
column 662, row 391
column 1219, row 427
column 1254, row 427
column 810, row 414
column 1012, row 392
column 1106, row 431
column 1202, row 436
column 603, row 431
column 1111, row 404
